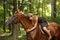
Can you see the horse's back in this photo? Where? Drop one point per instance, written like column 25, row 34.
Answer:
column 40, row 35
column 55, row 29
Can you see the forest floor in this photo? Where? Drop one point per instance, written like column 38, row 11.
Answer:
column 5, row 36
column 8, row 36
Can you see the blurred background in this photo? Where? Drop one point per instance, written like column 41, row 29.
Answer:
column 49, row 9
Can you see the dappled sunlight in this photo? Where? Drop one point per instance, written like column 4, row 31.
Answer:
column 48, row 13
column 22, row 31
column 57, row 3
column 5, row 34
column 43, row 8
column 23, row 37
column 20, row 36
column 1, row 8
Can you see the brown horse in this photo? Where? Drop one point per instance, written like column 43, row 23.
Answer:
column 55, row 30
column 34, row 33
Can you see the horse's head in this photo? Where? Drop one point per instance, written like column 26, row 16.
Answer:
column 15, row 18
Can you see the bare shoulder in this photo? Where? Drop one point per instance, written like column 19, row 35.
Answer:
column 35, row 17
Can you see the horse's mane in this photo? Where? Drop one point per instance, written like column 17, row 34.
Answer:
column 25, row 21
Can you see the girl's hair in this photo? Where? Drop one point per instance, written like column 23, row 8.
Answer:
column 30, row 14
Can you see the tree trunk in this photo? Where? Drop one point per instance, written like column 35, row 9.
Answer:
column 4, row 16
column 42, row 9
column 15, row 7
column 30, row 6
column 15, row 3
column 15, row 32
column 38, row 8
column 15, row 29
column 53, row 8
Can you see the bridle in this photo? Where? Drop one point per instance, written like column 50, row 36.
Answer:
column 29, row 30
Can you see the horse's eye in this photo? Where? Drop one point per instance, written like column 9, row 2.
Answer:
column 15, row 16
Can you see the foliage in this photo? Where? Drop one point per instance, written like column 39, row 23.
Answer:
column 39, row 7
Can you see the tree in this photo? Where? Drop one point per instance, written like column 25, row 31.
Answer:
column 15, row 26
column 38, row 6
column 4, row 15
column 30, row 6
column 53, row 8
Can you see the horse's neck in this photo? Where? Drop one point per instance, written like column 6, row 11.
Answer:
column 26, row 23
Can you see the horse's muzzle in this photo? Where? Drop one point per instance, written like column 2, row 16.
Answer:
column 9, row 21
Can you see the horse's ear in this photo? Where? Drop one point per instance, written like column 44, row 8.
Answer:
column 17, row 11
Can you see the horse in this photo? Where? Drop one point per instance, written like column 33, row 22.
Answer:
column 34, row 33
column 55, row 30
